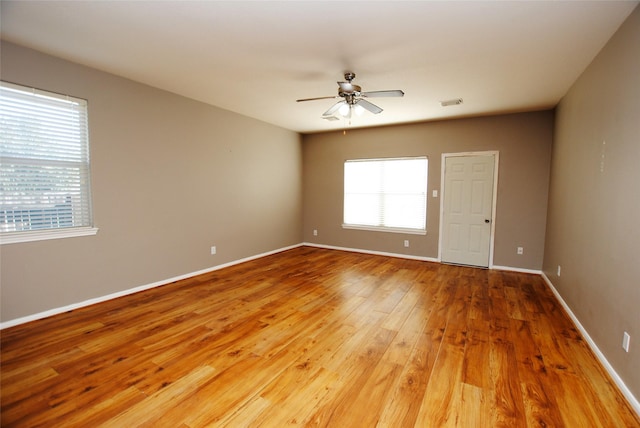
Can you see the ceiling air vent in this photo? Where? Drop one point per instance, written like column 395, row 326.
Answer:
column 453, row 102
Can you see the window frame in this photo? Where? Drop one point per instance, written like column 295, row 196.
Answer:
column 373, row 228
column 86, row 229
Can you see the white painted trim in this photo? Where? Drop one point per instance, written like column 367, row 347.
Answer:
column 411, row 257
column 89, row 302
column 56, row 311
column 515, row 269
column 385, row 229
column 496, row 165
column 633, row 401
column 7, row 238
column 376, row 253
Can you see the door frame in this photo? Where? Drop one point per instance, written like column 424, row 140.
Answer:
column 496, row 158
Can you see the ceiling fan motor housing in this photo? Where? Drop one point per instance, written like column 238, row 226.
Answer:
column 348, row 90
column 354, row 91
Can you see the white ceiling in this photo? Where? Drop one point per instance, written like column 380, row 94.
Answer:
column 257, row 58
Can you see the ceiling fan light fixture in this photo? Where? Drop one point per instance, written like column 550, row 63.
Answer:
column 454, row 102
column 353, row 99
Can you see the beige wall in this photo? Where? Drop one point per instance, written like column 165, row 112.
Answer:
column 523, row 140
column 171, row 177
column 593, row 229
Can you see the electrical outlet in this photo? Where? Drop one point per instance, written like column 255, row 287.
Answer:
column 315, row 232
column 406, row 243
column 213, row 250
column 625, row 341
column 435, row 193
column 559, row 270
column 520, row 250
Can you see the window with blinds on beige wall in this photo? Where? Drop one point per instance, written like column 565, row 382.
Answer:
column 45, row 189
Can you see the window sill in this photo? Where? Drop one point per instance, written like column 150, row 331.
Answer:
column 42, row 235
column 385, row 229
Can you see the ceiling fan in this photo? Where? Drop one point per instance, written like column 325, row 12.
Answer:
column 353, row 98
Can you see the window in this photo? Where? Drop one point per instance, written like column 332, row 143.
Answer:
column 386, row 194
column 44, row 165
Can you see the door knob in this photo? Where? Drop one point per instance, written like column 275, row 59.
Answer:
column 486, row 220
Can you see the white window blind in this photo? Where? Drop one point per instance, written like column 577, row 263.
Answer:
column 386, row 194
column 44, row 161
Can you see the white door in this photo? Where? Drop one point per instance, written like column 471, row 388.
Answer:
column 467, row 209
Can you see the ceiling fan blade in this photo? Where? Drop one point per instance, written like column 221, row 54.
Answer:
column 391, row 93
column 369, row 106
column 313, row 99
column 334, row 108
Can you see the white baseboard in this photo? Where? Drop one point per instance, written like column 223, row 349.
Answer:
column 89, row 302
column 376, row 253
column 55, row 311
column 633, row 401
column 515, row 269
column 411, row 257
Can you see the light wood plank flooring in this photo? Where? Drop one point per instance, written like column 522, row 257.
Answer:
column 314, row 337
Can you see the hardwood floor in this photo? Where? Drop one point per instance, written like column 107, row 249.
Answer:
column 314, row 337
